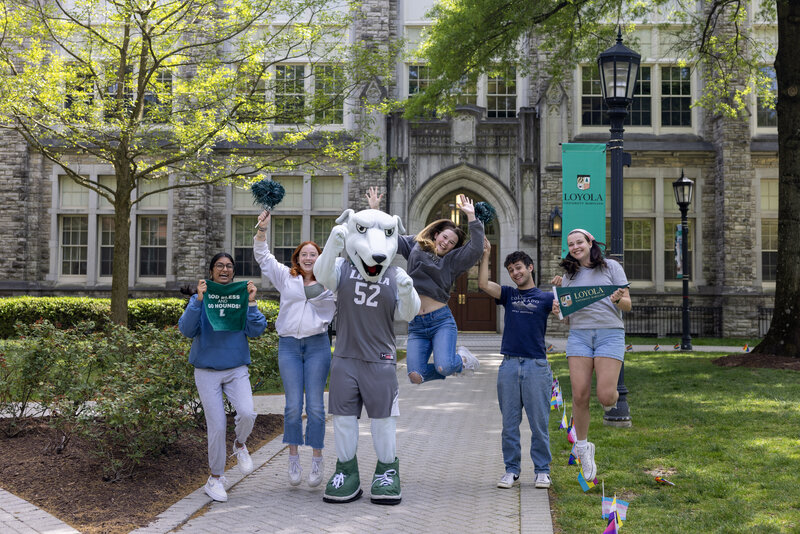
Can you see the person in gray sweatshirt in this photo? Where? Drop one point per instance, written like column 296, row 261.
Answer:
column 436, row 257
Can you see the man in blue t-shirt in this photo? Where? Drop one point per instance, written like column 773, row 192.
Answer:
column 524, row 379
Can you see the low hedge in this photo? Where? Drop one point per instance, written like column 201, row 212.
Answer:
column 68, row 312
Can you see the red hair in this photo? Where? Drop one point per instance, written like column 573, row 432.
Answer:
column 296, row 270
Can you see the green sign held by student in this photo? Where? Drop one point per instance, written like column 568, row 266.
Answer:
column 226, row 305
column 573, row 298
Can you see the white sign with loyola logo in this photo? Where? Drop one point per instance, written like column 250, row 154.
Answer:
column 584, row 182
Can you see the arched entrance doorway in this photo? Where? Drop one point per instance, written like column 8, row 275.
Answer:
column 472, row 309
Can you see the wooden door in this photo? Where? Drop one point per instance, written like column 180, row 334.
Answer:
column 473, row 310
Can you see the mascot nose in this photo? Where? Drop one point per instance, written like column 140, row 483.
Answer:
column 379, row 258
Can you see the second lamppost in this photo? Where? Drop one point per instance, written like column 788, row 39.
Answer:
column 684, row 189
column 619, row 66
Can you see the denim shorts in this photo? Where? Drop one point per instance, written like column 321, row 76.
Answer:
column 602, row 342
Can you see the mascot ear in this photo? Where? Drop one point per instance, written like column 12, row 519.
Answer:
column 344, row 216
column 400, row 227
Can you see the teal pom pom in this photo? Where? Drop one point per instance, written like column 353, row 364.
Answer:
column 267, row 193
column 485, row 212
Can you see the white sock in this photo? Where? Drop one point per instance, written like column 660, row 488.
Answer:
column 316, row 459
column 581, row 444
column 295, row 458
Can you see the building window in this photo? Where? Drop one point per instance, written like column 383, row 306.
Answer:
column 641, row 108
column 72, row 194
column 329, row 95
column 466, row 91
column 321, row 228
column 326, row 193
column 293, row 196
column 638, row 249
column 74, row 244
column 676, row 96
column 418, row 78
column 106, row 223
column 290, row 93
column 79, row 91
column 769, row 249
column 670, row 266
column 153, row 245
column 158, row 200
column 285, row 238
column 593, row 109
column 158, row 98
column 244, row 259
column 501, row 94
column 767, row 117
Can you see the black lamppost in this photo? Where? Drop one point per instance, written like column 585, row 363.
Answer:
column 619, row 66
column 684, row 189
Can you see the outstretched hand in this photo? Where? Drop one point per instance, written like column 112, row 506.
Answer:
column 373, row 198
column 465, row 205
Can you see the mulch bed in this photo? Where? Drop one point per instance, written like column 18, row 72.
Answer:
column 763, row 361
column 70, row 485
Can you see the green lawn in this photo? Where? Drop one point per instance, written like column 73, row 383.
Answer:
column 728, row 437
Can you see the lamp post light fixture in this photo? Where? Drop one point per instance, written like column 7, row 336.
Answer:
column 555, row 222
column 684, row 190
column 619, row 66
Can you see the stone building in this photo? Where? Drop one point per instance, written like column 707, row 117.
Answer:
column 501, row 145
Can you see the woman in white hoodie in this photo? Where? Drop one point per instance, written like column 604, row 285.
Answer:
column 304, row 349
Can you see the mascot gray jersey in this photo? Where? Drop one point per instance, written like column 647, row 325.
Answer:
column 371, row 294
column 370, row 239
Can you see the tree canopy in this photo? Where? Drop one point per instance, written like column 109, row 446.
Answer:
column 179, row 93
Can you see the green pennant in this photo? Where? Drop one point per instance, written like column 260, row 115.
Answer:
column 226, row 305
column 573, row 298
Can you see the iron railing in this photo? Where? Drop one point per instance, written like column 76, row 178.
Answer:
column 660, row 321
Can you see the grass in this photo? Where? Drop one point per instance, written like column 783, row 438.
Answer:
column 700, row 341
column 727, row 438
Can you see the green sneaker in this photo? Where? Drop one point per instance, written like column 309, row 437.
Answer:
column 344, row 485
column 386, row 483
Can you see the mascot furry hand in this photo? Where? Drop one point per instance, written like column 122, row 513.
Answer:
column 371, row 295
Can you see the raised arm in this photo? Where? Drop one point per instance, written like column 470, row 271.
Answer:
column 408, row 301
column 487, row 286
column 325, row 270
column 277, row 272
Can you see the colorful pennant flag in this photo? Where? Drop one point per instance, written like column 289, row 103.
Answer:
column 662, row 480
column 572, row 437
column 622, row 508
column 586, row 485
column 564, row 422
column 573, row 457
column 746, row 348
column 551, row 348
column 629, row 348
column 676, row 346
column 657, row 347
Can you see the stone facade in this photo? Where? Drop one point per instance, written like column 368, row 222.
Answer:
column 514, row 163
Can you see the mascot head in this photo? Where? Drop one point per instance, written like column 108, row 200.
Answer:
column 371, row 241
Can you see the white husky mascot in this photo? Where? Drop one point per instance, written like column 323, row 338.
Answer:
column 371, row 293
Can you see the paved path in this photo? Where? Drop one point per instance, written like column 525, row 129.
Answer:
column 448, row 442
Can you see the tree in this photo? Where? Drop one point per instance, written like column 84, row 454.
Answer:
column 474, row 36
column 177, row 93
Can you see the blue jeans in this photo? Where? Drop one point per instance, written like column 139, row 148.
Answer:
column 433, row 332
column 304, row 365
column 525, row 382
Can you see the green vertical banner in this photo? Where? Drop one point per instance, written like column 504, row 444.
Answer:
column 583, row 187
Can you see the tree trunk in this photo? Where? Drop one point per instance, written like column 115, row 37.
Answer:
column 122, row 244
column 783, row 337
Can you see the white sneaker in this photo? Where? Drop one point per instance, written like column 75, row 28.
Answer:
column 543, row 480
column 586, row 457
column 508, row 480
column 470, row 361
column 317, row 469
column 215, row 488
column 295, row 471
column 243, row 460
